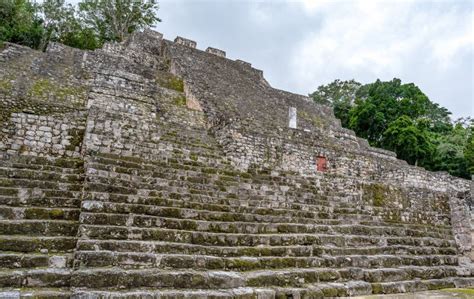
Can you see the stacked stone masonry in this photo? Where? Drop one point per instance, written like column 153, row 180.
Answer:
column 153, row 169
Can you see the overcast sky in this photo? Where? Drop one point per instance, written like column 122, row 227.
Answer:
column 302, row 44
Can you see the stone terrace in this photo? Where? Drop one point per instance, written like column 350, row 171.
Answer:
column 153, row 169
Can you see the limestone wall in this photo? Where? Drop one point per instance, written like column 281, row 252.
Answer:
column 174, row 170
column 41, row 135
column 251, row 121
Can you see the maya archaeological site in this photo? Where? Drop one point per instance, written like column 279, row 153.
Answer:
column 153, row 169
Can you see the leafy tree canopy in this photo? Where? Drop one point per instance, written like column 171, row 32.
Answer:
column 114, row 20
column 401, row 118
column 20, row 24
column 340, row 95
column 87, row 25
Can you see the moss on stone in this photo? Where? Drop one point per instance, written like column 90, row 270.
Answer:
column 462, row 291
column 169, row 81
column 376, row 193
column 180, row 100
column 36, row 213
column 377, row 288
column 76, row 140
column 5, row 85
column 56, row 214
column 241, row 264
column 45, row 88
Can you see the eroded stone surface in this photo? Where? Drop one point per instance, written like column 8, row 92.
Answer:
column 154, row 169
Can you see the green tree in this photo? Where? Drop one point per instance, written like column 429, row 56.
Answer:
column 380, row 103
column 411, row 143
column 20, row 23
column 450, row 151
column 338, row 94
column 400, row 117
column 469, row 150
column 114, row 20
column 62, row 25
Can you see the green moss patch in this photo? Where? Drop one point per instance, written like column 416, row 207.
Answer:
column 45, row 89
column 76, row 140
column 462, row 291
column 376, row 193
column 5, row 85
column 170, row 81
column 180, row 100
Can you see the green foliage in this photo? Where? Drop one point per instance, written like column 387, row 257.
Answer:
column 114, row 20
column 380, row 103
column 338, row 94
column 87, row 26
column 62, row 25
column 401, row 118
column 452, row 150
column 411, row 143
column 20, row 23
column 469, row 150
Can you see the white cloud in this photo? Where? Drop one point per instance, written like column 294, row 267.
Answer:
column 300, row 44
column 312, row 6
column 366, row 40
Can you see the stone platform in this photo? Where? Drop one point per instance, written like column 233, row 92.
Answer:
column 153, row 169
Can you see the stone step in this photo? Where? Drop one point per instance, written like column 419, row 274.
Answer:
column 20, row 260
column 412, row 286
column 248, row 228
column 291, row 216
column 441, row 229
column 51, row 293
column 234, row 239
column 135, row 260
column 168, row 196
column 290, row 277
column 35, row 212
column 283, row 208
column 163, row 161
column 20, row 243
column 142, row 166
column 39, row 227
column 100, row 183
column 41, row 184
column 182, row 171
column 17, row 173
column 198, row 181
column 362, row 288
column 176, row 212
column 60, row 165
column 153, row 278
column 48, row 277
column 26, row 193
column 316, row 290
column 36, row 199
column 160, row 247
column 161, row 154
column 181, row 201
column 231, row 293
column 155, row 136
column 300, row 277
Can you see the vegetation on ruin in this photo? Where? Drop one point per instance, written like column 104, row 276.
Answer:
column 87, row 25
column 401, row 118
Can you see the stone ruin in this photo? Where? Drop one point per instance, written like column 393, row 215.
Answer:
column 154, row 169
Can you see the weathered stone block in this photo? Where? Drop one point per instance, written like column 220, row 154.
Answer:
column 215, row 51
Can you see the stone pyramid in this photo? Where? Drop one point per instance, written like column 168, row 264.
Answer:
column 153, row 169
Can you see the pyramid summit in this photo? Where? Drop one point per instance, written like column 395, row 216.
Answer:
column 151, row 168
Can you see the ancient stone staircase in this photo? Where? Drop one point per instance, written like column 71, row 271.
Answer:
column 153, row 207
column 39, row 211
